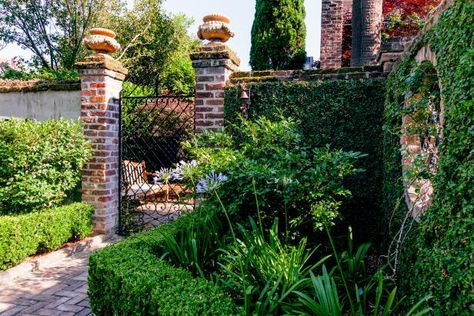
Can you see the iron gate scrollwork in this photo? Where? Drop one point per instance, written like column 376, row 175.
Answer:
column 151, row 132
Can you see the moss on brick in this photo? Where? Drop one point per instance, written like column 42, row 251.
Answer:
column 215, row 51
column 312, row 74
column 37, row 85
column 102, row 61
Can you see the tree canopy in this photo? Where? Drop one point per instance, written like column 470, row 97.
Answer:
column 52, row 30
column 155, row 44
column 278, row 35
column 405, row 17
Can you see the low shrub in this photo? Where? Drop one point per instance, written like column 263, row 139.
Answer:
column 27, row 234
column 40, row 163
column 130, row 279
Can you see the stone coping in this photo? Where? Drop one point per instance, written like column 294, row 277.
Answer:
column 37, row 85
column 102, row 61
column 215, row 51
column 347, row 73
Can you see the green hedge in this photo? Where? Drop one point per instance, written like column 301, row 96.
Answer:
column 128, row 278
column 347, row 114
column 28, row 234
column 40, row 163
column 438, row 256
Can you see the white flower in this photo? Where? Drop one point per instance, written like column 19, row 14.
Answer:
column 165, row 175
column 182, row 169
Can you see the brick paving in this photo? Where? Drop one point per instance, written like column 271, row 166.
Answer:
column 60, row 288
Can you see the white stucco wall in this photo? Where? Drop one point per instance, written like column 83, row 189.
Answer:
column 41, row 105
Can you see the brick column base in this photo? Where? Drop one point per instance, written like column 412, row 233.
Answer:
column 101, row 83
column 213, row 65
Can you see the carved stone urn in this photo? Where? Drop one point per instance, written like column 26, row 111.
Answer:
column 101, row 40
column 215, row 29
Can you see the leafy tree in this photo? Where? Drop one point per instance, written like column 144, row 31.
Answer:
column 155, row 44
column 158, row 47
column 52, row 30
column 278, row 35
column 405, row 17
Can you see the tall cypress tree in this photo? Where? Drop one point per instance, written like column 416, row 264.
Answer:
column 278, row 35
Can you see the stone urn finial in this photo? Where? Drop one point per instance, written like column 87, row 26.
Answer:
column 215, row 29
column 101, row 40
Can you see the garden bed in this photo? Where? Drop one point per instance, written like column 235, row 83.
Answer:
column 250, row 247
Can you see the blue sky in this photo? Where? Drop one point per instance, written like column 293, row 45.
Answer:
column 241, row 13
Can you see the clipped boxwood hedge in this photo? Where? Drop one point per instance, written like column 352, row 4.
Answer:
column 346, row 114
column 129, row 278
column 438, row 254
column 28, row 234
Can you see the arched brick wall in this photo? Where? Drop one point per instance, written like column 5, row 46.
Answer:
column 422, row 134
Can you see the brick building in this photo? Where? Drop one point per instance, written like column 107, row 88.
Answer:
column 350, row 29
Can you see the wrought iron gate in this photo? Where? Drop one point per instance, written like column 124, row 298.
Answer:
column 151, row 132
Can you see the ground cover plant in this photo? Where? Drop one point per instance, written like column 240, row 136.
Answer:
column 40, row 163
column 265, row 275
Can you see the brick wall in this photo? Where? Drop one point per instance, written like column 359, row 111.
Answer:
column 213, row 65
column 347, row 6
column 331, row 33
column 346, row 73
column 100, row 89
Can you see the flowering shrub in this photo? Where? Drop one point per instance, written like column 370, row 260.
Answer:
column 267, row 161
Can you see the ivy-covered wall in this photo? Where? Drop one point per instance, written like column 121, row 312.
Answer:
column 436, row 256
column 346, row 114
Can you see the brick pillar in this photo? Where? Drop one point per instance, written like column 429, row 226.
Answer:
column 213, row 65
column 366, row 31
column 101, row 83
column 331, row 33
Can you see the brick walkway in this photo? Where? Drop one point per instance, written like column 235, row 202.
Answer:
column 58, row 287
